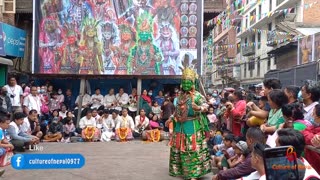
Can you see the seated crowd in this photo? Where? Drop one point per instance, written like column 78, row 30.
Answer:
column 244, row 123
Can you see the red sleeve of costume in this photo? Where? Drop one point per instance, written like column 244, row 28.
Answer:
column 308, row 135
column 240, row 109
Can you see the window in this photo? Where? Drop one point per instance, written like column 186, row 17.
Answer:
column 252, row 17
column 270, row 26
column 251, row 65
column 275, row 60
column 270, row 5
column 269, row 64
column 245, row 70
column 253, row 38
column 246, row 25
column 260, row 12
column 238, row 48
column 258, row 67
column 259, row 40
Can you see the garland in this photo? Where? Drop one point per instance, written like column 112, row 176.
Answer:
column 124, row 132
column 86, row 132
column 153, row 135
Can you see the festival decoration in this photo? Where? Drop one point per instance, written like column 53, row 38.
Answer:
column 123, row 133
column 89, row 133
column 109, row 37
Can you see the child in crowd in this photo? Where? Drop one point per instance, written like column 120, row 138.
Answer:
column 154, row 122
column 55, row 130
column 212, row 117
column 54, row 116
column 241, row 152
column 69, row 130
column 215, row 139
column 156, row 109
column 252, row 120
column 226, row 149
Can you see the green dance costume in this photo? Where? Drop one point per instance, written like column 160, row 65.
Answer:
column 189, row 155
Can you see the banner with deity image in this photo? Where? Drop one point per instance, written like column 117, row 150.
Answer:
column 112, row 37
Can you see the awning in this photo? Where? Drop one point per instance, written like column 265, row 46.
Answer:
column 308, row 31
column 283, row 48
column 6, row 61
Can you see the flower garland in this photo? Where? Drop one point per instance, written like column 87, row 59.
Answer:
column 91, row 129
column 123, row 133
column 153, row 135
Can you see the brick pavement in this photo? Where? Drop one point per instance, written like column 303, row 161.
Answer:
column 134, row 160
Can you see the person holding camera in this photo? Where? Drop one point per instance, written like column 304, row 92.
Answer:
column 15, row 93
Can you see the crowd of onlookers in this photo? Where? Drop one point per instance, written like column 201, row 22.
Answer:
column 245, row 122
column 242, row 122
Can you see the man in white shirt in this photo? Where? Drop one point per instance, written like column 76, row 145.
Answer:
column 18, row 138
column 31, row 125
column 97, row 100
column 15, row 94
column 141, row 122
column 86, row 102
column 310, row 94
column 32, row 101
column 122, row 99
column 110, row 100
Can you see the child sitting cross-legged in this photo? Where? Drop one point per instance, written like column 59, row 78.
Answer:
column 226, row 149
column 54, row 133
column 69, row 130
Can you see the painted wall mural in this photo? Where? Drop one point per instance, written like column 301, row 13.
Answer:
column 112, row 37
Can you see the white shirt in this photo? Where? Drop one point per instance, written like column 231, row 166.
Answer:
column 86, row 100
column 32, row 102
column 122, row 99
column 16, row 91
column 116, row 120
column 96, row 103
column 109, row 99
column 125, row 122
column 16, row 128
column 109, row 124
column 25, row 127
column 144, row 124
column 87, row 122
column 309, row 110
column 63, row 114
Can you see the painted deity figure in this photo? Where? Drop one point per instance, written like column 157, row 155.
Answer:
column 169, row 47
column 103, row 11
column 189, row 155
column 70, row 61
column 122, row 52
column 90, row 47
column 50, row 45
column 109, row 34
column 139, row 7
column 51, row 7
column 145, row 57
column 78, row 11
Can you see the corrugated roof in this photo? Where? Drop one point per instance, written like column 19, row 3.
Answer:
column 24, row 6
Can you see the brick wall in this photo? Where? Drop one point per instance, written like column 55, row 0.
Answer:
column 311, row 16
column 8, row 19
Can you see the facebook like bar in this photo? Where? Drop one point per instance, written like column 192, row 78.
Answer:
column 47, row 161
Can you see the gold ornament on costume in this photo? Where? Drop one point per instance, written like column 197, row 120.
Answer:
column 189, row 74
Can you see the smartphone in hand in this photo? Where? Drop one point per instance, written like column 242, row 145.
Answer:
column 281, row 163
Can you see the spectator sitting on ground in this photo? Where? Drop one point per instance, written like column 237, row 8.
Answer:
column 54, row 116
column 31, row 124
column 54, row 133
column 254, row 135
column 69, row 130
column 20, row 139
column 63, row 112
column 5, row 146
column 227, row 151
column 312, row 137
column 241, row 150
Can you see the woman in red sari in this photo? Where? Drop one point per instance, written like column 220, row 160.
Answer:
column 145, row 102
column 236, row 110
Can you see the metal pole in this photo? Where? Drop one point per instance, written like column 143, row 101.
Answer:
column 81, row 94
column 139, row 90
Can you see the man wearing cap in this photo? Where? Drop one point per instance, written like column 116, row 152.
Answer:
column 18, row 138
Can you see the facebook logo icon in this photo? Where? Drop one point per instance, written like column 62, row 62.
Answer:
column 17, row 161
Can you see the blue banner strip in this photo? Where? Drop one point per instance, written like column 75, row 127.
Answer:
column 47, row 161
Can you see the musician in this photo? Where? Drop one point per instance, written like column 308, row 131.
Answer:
column 110, row 100
column 122, row 100
column 142, row 122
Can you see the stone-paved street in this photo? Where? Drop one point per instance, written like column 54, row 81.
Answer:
column 134, row 160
